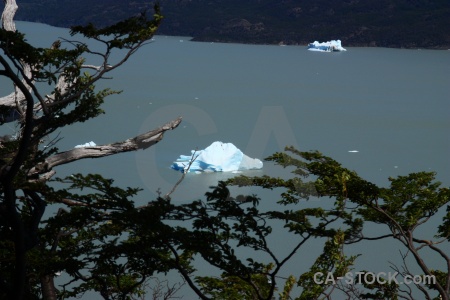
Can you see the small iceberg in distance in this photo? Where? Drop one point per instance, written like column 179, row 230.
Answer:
column 218, row 157
column 90, row 144
column 330, row 46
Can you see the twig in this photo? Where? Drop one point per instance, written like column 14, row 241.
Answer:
column 193, row 158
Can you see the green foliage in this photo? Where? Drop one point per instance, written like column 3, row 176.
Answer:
column 92, row 238
column 331, row 261
column 106, row 195
column 232, row 287
column 379, row 290
column 126, row 33
column 217, row 226
column 103, row 242
column 413, row 198
column 383, row 23
column 444, row 228
column 441, row 278
column 409, row 202
column 15, row 45
column 288, row 286
column 97, row 243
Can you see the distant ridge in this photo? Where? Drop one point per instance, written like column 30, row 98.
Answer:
column 381, row 23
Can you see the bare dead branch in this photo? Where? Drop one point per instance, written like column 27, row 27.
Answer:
column 142, row 141
column 193, row 158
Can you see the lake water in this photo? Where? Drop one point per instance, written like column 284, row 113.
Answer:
column 391, row 105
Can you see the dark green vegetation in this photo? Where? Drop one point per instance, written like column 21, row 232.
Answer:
column 383, row 23
column 104, row 243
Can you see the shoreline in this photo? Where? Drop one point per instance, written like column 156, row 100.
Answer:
column 280, row 43
column 305, row 43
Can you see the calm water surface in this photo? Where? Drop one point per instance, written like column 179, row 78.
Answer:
column 391, row 105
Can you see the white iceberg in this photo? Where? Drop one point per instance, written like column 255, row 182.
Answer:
column 218, row 157
column 330, row 46
column 90, row 144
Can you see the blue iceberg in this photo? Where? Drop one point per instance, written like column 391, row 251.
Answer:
column 330, row 46
column 218, row 157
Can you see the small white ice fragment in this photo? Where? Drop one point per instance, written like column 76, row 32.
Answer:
column 90, row 144
column 353, row 151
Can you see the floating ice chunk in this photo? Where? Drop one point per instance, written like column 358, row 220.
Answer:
column 353, row 151
column 248, row 163
column 330, row 46
column 90, row 144
column 218, row 157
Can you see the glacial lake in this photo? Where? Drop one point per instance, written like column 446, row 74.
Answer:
column 392, row 106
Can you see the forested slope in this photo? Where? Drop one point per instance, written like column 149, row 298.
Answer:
column 384, row 23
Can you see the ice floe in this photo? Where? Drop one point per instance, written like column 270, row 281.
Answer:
column 218, row 157
column 90, row 144
column 330, row 46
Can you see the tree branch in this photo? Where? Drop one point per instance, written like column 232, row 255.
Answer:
column 142, row 141
column 8, row 24
column 185, row 274
column 193, row 158
column 362, row 237
column 424, row 267
column 8, row 15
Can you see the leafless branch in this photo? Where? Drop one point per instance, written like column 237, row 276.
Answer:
column 142, row 141
column 185, row 171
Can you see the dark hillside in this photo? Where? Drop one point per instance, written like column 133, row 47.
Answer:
column 384, row 23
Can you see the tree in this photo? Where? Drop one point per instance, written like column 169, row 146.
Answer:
column 233, row 234
column 26, row 166
column 408, row 203
column 107, row 244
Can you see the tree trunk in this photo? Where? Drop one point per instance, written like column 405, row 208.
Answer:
column 8, row 15
column 22, row 100
column 17, row 97
column 48, row 288
column 9, row 25
column 16, row 224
